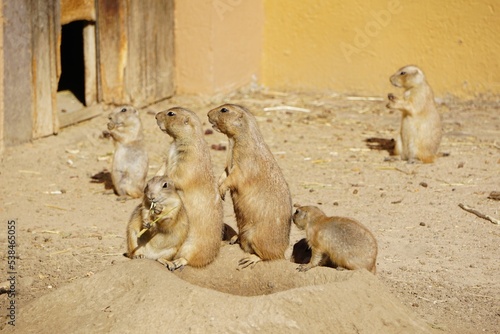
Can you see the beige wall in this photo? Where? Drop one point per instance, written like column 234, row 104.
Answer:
column 218, row 44
column 354, row 46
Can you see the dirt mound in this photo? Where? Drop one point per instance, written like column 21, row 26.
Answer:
column 141, row 295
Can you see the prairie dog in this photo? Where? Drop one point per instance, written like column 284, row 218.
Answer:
column 260, row 194
column 421, row 130
column 189, row 166
column 130, row 159
column 163, row 214
column 344, row 241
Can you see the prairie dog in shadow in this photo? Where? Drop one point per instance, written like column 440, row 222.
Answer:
column 421, row 130
column 189, row 166
column 163, row 217
column 260, row 194
column 344, row 241
column 130, row 159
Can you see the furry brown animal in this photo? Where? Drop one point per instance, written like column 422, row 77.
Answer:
column 421, row 129
column 163, row 216
column 260, row 194
column 344, row 241
column 130, row 159
column 189, row 166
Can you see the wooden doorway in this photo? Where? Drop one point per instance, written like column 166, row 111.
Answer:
column 77, row 88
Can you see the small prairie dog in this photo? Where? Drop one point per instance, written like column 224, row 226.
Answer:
column 189, row 166
column 346, row 242
column 130, row 159
column 421, row 131
column 163, row 216
column 261, row 197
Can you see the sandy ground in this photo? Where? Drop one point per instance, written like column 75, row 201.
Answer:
column 438, row 265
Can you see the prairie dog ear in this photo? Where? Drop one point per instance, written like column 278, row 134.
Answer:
column 239, row 120
column 186, row 120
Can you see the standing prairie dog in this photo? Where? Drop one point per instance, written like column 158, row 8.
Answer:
column 260, row 194
column 130, row 159
column 163, row 216
column 344, row 241
column 190, row 167
column 421, row 129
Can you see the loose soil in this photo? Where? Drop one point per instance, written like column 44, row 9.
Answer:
column 438, row 266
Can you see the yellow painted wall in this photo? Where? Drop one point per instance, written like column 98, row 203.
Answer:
column 218, row 44
column 354, row 46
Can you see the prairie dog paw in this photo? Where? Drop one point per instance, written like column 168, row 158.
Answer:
column 303, row 267
column 249, row 261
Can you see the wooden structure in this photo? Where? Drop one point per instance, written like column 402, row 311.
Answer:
column 95, row 51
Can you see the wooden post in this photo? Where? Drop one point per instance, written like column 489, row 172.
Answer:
column 136, row 55
column 17, row 74
column 45, row 59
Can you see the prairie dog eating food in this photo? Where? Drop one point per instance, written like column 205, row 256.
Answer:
column 159, row 225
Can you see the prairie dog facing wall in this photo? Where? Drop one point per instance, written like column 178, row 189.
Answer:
column 163, row 216
column 261, row 197
column 189, row 166
column 130, row 159
column 421, row 130
column 344, row 241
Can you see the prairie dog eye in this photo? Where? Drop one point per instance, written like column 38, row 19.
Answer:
column 224, row 110
column 165, row 185
column 171, row 113
column 402, row 73
column 297, row 211
column 123, row 110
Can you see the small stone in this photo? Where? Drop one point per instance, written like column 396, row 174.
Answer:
column 423, row 184
column 422, row 224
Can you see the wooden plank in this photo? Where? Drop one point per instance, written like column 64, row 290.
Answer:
column 55, row 59
column 70, row 118
column 17, row 75
column 76, row 10
column 151, row 40
column 112, row 32
column 44, row 81
column 89, row 56
column 31, row 46
column 136, row 44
